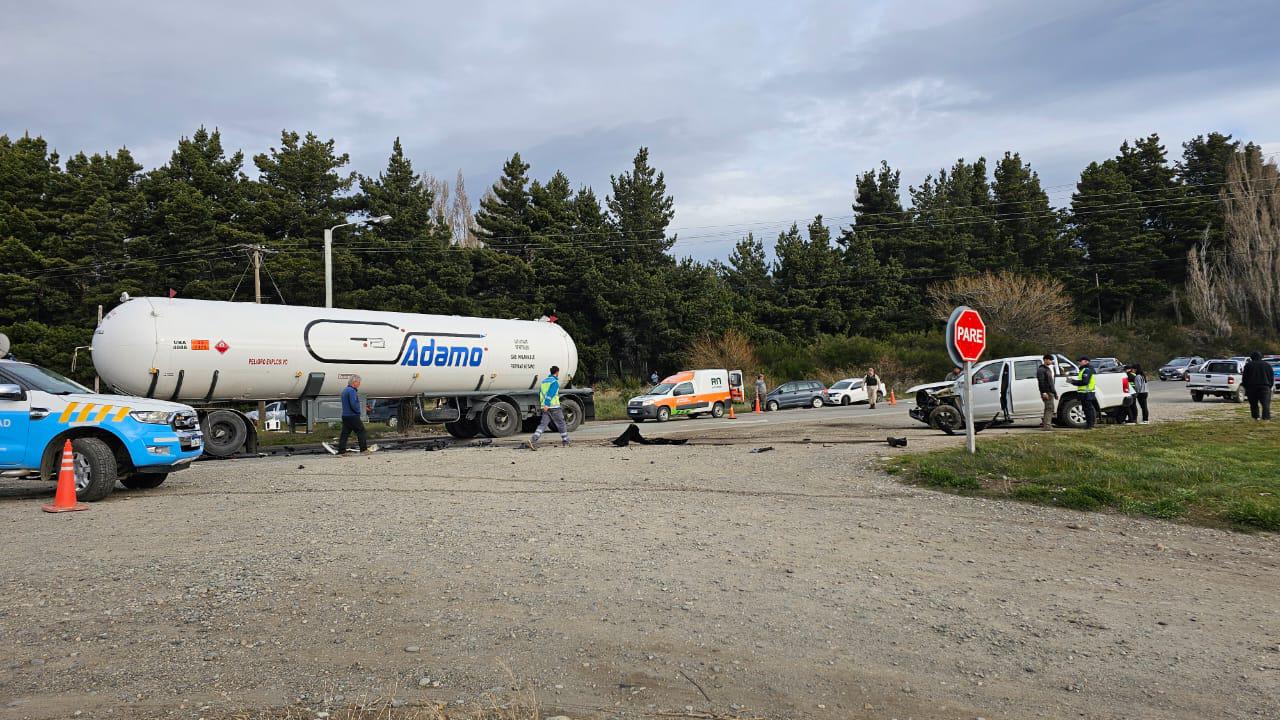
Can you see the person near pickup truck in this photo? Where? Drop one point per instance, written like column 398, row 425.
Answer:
column 1138, row 380
column 1048, row 391
column 871, row 382
column 1257, row 379
column 1087, row 383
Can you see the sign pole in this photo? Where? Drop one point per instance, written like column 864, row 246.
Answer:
column 968, row 407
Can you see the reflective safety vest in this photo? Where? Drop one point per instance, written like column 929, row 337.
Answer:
column 549, row 392
column 1093, row 381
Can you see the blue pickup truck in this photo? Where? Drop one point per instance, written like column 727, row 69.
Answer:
column 113, row 437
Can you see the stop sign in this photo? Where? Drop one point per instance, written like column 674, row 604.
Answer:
column 968, row 334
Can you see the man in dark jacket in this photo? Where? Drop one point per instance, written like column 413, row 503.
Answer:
column 1257, row 380
column 351, row 420
column 1048, row 390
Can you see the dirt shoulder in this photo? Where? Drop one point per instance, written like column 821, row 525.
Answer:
column 801, row 582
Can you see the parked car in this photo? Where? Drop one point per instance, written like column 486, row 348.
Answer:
column 1106, row 365
column 383, row 411
column 850, row 391
column 1274, row 361
column 797, row 393
column 1176, row 369
column 1217, row 377
column 275, row 411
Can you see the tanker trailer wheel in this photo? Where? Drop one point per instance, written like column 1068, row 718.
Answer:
column 463, row 429
column 572, row 410
column 144, row 481
column 500, row 419
column 224, row 433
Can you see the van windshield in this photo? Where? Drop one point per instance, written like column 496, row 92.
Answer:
column 661, row 389
column 48, row 381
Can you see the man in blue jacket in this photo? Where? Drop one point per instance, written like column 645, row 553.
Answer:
column 351, row 420
column 549, row 399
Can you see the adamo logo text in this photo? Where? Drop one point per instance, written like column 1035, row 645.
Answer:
column 430, row 354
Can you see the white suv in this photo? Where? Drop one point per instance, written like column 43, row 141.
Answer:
column 849, row 391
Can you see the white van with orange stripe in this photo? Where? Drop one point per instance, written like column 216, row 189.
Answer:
column 691, row 393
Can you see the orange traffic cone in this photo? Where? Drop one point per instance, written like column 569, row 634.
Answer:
column 64, row 500
column 731, row 415
column 892, row 400
column 757, row 403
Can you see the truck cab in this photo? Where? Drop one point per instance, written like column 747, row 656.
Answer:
column 691, row 393
column 113, row 437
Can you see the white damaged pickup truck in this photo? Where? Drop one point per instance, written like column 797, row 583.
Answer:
column 1005, row 392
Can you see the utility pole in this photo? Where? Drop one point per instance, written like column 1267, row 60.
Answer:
column 255, row 254
column 1097, row 291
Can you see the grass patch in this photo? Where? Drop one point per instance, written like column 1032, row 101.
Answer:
column 1219, row 472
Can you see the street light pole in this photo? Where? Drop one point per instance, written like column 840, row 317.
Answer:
column 328, row 254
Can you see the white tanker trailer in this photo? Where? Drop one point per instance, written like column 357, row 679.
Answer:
column 482, row 373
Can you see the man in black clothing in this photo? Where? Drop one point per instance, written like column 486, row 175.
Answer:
column 1048, row 390
column 1257, row 381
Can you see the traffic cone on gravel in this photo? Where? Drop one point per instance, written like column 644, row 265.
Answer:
column 757, row 404
column 731, row 415
column 892, row 400
column 64, row 500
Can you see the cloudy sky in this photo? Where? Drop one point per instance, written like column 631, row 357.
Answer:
column 759, row 113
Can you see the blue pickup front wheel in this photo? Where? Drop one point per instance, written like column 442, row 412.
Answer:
column 95, row 468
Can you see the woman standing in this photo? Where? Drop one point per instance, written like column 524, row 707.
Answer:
column 1138, row 378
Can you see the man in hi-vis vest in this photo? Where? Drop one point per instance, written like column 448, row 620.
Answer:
column 549, row 399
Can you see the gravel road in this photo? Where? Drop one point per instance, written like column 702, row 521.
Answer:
column 800, row 582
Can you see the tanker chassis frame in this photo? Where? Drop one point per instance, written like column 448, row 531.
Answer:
column 229, row 432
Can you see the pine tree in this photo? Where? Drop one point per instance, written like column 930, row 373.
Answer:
column 397, row 264
column 1108, row 224
column 1203, row 174
column 640, row 211
column 503, row 221
column 302, row 190
column 1027, row 223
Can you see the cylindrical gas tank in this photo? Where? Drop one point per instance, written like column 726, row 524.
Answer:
column 201, row 350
